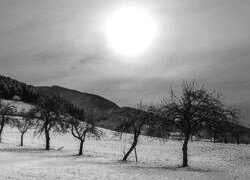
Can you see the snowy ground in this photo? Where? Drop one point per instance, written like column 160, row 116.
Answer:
column 157, row 160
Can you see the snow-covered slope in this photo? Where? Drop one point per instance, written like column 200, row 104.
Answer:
column 101, row 159
column 157, row 160
column 18, row 104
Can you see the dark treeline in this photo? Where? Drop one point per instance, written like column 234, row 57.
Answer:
column 9, row 88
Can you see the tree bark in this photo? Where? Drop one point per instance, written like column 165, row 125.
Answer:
column 184, row 151
column 21, row 144
column 132, row 147
column 136, row 158
column 1, row 129
column 47, row 137
column 81, row 147
column 225, row 139
column 214, row 136
column 237, row 138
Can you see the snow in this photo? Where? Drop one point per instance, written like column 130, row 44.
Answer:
column 101, row 159
column 18, row 104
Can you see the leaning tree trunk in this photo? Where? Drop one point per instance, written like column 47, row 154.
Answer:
column 81, row 148
column 1, row 129
column 21, row 144
column 184, row 151
column 136, row 135
column 46, row 130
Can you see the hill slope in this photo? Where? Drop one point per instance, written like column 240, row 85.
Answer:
column 10, row 87
column 157, row 160
column 83, row 100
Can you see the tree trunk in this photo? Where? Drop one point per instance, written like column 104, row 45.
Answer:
column 132, row 147
column 21, row 144
column 81, row 148
column 214, row 136
column 1, row 129
column 136, row 159
column 237, row 138
column 47, row 137
column 225, row 139
column 184, row 151
column 47, row 142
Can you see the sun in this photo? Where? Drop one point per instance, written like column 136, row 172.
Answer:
column 130, row 31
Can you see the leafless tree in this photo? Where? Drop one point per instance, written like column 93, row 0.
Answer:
column 6, row 110
column 50, row 110
column 223, row 126
column 82, row 127
column 133, row 121
column 24, row 122
column 195, row 107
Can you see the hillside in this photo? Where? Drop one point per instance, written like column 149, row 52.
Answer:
column 157, row 160
column 83, row 100
column 10, row 87
column 19, row 105
column 105, row 110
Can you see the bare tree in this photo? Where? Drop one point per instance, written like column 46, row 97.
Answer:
column 223, row 126
column 24, row 123
column 6, row 110
column 82, row 127
column 132, row 121
column 50, row 112
column 195, row 107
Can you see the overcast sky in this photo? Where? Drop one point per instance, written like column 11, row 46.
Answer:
column 62, row 42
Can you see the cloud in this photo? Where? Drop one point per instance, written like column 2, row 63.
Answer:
column 63, row 43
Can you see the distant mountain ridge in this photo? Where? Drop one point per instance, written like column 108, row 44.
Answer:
column 86, row 101
column 10, row 87
column 105, row 111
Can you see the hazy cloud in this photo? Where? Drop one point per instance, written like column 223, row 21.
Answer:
column 63, row 42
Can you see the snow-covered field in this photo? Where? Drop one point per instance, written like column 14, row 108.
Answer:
column 101, row 159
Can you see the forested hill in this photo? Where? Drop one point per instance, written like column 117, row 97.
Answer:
column 10, row 88
column 106, row 112
column 83, row 100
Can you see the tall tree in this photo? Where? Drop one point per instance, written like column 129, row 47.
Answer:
column 6, row 110
column 50, row 111
column 195, row 107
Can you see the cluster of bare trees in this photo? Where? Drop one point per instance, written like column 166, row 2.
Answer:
column 50, row 114
column 190, row 113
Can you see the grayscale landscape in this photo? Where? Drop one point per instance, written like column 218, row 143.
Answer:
column 124, row 89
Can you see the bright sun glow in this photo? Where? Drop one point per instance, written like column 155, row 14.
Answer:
column 130, row 31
